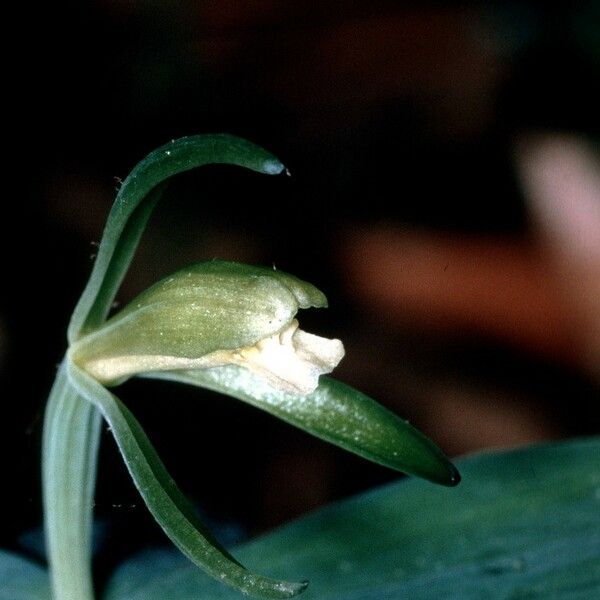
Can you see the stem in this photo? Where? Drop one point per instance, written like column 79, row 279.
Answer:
column 70, row 449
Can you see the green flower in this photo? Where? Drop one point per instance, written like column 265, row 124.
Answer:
column 217, row 325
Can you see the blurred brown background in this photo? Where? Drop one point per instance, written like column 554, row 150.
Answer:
column 445, row 194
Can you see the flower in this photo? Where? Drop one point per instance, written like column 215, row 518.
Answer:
column 211, row 315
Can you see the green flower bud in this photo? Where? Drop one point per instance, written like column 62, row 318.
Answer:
column 210, row 315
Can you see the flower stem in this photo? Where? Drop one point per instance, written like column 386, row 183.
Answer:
column 70, row 448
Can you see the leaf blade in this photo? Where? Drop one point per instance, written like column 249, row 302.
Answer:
column 21, row 579
column 523, row 524
column 335, row 413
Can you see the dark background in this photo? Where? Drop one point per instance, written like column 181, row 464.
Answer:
column 399, row 125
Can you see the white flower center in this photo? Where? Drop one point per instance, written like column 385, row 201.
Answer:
column 292, row 360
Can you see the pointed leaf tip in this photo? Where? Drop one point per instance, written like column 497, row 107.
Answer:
column 455, row 477
column 448, row 475
column 273, row 167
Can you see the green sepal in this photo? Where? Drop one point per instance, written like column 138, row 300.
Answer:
column 168, row 506
column 134, row 203
column 334, row 412
column 69, row 463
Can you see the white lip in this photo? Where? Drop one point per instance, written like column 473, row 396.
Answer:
column 292, row 360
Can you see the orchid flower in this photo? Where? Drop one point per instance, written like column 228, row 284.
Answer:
column 218, row 325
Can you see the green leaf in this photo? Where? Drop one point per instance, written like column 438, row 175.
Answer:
column 166, row 503
column 336, row 413
column 136, row 200
column 21, row 579
column 523, row 524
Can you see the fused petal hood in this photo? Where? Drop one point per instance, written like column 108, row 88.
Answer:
column 213, row 314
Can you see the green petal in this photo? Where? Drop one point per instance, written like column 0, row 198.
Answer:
column 136, row 200
column 167, row 504
column 205, row 307
column 336, row 413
